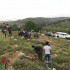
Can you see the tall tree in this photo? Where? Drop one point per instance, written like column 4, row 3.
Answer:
column 29, row 25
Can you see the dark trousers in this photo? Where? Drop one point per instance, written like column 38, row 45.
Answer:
column 5, row 35
column 40, row 55
column 10, row 33
column 47, row 58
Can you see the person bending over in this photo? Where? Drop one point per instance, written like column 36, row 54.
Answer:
column 38, row 50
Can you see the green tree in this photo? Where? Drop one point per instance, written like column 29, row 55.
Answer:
column 38, row 28
column 29, row 25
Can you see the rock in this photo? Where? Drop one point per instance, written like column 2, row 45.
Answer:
column 28, row 39
column 12, row 36
column 55, row 55
column 15, row 39
column 54, row 68
column 20, row 53
column 16, row 45
column 17, row 51
column 42, row 34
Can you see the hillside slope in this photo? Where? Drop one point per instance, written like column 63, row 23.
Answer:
column 39, row 20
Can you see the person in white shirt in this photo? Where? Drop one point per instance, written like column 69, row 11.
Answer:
column 47, row 50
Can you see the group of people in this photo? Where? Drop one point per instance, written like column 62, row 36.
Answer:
column 7, row 29
column 27, row 35
column 47, row 51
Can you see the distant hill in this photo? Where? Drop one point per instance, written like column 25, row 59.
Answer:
column 39, row 20
column 50, row 24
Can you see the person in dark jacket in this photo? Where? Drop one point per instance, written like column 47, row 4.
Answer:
column 10, row 31
column 38, row 50
column 4, row 32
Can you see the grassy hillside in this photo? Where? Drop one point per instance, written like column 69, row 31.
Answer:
column 11, row 49
column 62, row 26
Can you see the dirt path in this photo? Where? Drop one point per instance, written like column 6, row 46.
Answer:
column 17, row 55
column 14, row 58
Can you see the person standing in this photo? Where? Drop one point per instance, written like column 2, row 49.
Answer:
column 47, row 57
column 9, row 30
column 4, row 30
column 5, row 33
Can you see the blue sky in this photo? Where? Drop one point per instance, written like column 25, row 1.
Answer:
column 20, row 9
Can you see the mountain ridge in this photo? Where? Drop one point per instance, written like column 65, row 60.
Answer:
column 38, row 20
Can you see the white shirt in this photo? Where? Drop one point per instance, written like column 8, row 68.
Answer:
column 47, row 49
